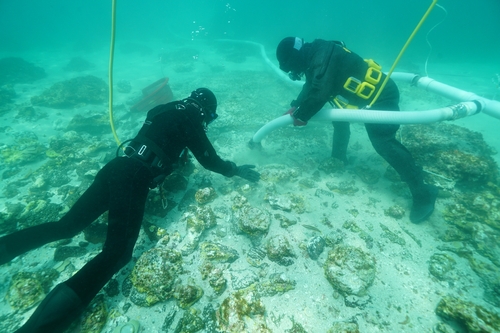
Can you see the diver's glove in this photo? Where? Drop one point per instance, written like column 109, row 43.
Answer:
column 245, row 171
column 296, row 121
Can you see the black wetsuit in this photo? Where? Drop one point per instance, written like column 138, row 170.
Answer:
column 121, row 188
column 328, row 66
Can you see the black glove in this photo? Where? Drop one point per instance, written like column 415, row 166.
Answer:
column 245, row 171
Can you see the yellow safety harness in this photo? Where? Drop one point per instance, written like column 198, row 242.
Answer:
column 363, row 89
column 366, row 88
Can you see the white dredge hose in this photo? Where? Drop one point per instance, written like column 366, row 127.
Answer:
column 453, row 112
column 490, row 107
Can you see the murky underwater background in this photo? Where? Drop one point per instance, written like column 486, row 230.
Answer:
column 314, row 246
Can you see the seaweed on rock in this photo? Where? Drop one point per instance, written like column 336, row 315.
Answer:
column 72, row 93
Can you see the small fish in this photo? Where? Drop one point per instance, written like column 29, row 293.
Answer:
column 310, row 227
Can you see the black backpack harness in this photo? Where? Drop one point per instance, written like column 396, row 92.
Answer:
column 149, row 153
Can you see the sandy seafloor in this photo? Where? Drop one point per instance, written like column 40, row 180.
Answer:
column 404, row 294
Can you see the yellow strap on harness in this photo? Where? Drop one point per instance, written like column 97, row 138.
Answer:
column 342, row 103
column 363, row 89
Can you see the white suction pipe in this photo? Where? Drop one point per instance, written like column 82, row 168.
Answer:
column 491, row 107
column 453, row 112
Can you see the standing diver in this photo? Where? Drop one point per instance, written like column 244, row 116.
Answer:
column 121, row 188
column 337, row 75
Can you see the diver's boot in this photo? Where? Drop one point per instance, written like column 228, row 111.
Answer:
column 424, row 199
column 56, row 312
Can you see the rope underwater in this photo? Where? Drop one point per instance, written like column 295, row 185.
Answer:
column 422, row 20
column 110, row 70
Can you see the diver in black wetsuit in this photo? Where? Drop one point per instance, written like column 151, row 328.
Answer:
column 339, row 76
column 121, row 188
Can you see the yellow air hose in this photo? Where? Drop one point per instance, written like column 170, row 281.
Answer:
column 422, row 20
column 110, row 70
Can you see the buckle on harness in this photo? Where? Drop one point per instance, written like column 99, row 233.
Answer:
column 366, row 88
column 360, row 89
column 343, row 103
column 352, row 84
column 142, row 150
column 374, row 73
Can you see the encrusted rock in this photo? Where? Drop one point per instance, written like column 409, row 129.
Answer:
column 155, row 274
column 474, row 317
column 440, row 265
column 350, row 270
column 215, row 276
column 279, row 250
column 253, row 221
column 255, row 256
column 95, row 316
column 210, row 319
column 188, row 294
column 278, row 283
column 218, row 252
column 395, row 211
column 205, row 195
column 315, row 247
column 242, row 311
column 77, row 91
column 280, row 203
column 454, row 152
column 190, row 322
column 197, row 220
column 239, row 201
column 25, row 291
column 276, row 173
column 30, row 150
